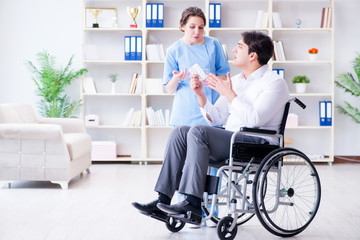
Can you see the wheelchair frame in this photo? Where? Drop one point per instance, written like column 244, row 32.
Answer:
column 299, row 201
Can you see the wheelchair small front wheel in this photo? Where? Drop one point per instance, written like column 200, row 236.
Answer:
column 174, row 225
column 223, row 229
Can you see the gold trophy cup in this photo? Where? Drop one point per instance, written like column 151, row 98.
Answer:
column 133, row 12
column 95, row 12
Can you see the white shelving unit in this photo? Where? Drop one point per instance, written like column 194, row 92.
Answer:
column 147, row 143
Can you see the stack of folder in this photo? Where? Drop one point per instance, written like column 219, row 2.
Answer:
column 215, row 15
column 155, row 15
column 325, row 113
column 133, row 48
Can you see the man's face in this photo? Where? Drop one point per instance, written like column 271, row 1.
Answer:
column 241, row 54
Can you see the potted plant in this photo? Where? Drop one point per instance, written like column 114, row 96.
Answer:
column 113, row 78
column 313, row 53
column 351, row 85
column 51, row 83
column 300, row 82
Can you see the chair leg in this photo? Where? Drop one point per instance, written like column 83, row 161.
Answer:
column 64, row 185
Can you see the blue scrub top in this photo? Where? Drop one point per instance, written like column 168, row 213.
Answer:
column 185, row 110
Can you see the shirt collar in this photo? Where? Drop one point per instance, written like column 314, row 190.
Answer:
column 258, row 73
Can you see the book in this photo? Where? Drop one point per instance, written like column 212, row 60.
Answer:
column 155, row 52
column 322, row 18
column 326, row 17
column 133, row 82
column 264, row 20
column 328, row 24
column 127, row 117
column 277, row 20
column 258, row 18
column 88, row 85
column 167, row 117
column 150, row 116
column 138, row 88
column 276, row 52
column 281, row 51
column 135, row 119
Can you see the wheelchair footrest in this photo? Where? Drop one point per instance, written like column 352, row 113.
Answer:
column 189, row 217
column 157, row 216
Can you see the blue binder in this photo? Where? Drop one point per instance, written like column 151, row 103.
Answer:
column 280, row 72
column 139, row 48
column 160, row 22
column 132, row 48
column 322, row 113
column 218, row 15
column 328, row 113
column 211, row 15
column 127, row 48
column 154, row 15
column 148, row 14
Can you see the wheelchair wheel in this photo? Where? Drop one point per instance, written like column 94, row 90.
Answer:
column 174, row 225
column 223, row 229
column 287, row 193
column 222, row 208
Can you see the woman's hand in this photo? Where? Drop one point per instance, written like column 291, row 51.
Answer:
column 181, row 75
column 196, row 85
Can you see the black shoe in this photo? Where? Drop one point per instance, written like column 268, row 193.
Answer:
column 180, row 208
column 149, row 208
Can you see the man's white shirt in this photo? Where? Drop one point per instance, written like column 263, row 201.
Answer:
column 260, row 103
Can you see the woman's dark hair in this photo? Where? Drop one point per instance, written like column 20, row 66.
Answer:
column 260, row 43
column 191, row 12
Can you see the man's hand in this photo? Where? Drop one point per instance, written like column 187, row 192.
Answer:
column 224, row 87
column 196, row 85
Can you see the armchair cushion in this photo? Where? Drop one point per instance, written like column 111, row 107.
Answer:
column 78, row 144
column 30, row 131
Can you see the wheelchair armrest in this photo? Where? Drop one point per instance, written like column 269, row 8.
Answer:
column 257, row 130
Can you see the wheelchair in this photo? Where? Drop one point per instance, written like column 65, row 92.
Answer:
column 279, row 185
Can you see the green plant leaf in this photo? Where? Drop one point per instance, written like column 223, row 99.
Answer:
column 51, row 83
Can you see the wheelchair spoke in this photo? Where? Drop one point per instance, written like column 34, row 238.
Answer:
column 291, row 197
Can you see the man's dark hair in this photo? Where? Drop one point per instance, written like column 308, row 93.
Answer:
column 260, row 43
column 191, row 12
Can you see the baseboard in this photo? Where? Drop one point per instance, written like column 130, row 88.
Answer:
column 346, row 159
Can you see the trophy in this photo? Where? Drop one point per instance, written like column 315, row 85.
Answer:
column 133, row 12
column 95, row 12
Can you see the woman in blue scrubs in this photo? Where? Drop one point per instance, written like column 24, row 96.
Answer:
column 193, row 48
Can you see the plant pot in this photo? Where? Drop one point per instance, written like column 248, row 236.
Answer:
column 300, row 87
column 313, row 57
column 113, row 88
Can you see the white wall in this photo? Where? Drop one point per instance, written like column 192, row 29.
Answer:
column 29, row 26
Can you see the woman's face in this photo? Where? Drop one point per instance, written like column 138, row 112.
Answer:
column 194, row 31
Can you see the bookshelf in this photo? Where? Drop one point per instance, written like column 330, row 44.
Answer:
column 147, row 143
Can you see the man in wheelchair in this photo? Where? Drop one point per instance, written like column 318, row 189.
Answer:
column 254, row 98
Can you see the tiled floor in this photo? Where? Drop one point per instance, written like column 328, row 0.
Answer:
column 98, row 206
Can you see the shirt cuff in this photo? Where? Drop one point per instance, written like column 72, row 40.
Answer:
column 206, row 110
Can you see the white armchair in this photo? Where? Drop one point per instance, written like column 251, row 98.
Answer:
column 46, row 149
